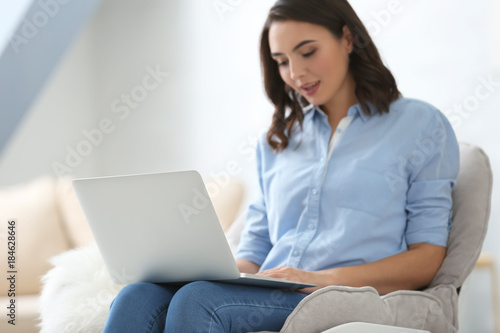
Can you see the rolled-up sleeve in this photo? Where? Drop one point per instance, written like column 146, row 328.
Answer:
column 255, row 244
column 435, row 165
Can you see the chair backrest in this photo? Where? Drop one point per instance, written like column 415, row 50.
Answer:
column 471, row 211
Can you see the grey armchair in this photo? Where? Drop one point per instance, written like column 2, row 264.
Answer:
column 338, row 309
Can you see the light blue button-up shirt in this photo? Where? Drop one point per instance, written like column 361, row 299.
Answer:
column 381, row 183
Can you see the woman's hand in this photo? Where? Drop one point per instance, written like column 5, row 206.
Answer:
column 292, row 274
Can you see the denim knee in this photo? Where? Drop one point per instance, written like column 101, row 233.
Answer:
column 196, row 293
column 138, row 293
column 140, row 307
column 200, row 300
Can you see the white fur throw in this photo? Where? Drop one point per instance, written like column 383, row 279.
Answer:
column 76, row 293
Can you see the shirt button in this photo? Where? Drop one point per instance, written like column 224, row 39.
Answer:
column 314, row 191
column 296, row 253
column 311, row 226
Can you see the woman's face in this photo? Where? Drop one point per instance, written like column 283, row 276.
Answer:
column 310, row 58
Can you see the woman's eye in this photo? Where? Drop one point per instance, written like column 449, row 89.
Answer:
column 309, row 54
column 305, row 55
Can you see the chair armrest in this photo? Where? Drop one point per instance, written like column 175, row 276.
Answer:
column 371, row 328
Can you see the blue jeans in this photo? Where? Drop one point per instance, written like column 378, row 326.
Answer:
column 201, row 306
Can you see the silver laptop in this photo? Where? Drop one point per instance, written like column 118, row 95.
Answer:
column 161, row 228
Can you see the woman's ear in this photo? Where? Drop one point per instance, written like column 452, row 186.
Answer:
column 347, row 39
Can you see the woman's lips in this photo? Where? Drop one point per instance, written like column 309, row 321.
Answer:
column 312, row 90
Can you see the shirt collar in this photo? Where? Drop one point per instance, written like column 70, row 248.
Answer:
column 352, row 112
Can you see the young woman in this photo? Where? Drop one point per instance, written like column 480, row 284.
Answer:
column 355, row 183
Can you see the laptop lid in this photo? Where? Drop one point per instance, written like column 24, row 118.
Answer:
column 158, row 227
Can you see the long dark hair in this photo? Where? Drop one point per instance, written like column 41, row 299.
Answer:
column 374, row 82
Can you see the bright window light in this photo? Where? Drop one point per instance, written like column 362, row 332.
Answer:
column 11, row 14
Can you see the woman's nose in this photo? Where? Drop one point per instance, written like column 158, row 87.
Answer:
column 296, row 70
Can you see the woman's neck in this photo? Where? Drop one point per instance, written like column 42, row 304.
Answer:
column 337, row 108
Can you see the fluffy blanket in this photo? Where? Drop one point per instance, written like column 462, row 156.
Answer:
column 76, row 293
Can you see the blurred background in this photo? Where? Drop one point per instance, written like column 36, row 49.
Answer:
column 106, row 87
